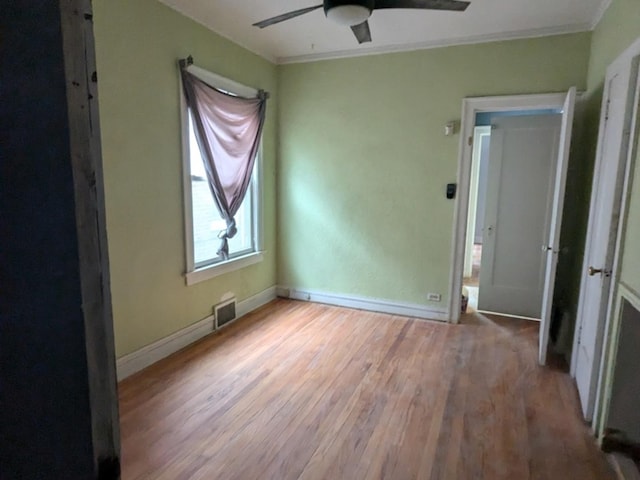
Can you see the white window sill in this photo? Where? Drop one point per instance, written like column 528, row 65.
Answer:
column 211, row 271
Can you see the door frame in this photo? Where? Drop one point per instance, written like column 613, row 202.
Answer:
column 478, row 134
column 470, row 107
column 631, row 56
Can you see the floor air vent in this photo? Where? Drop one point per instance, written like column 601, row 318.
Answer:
column 225, row 313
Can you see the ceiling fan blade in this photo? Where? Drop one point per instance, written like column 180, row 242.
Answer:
column 285, row 16
column 362, row 32
column 453, row 5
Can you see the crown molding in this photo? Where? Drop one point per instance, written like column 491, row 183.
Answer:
column 467, row 40
column 602, row 9
column 451, row 42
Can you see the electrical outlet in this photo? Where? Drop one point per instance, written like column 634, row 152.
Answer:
column 434, row 297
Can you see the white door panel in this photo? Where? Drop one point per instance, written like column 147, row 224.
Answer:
column 553, row 243
column 517, row 216
column 601, row 236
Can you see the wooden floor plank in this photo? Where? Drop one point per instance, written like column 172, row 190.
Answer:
column 286, row 410
column 294, row 451
column 304, row 391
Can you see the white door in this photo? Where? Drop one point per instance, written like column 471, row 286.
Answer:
column 601, row 237
column 552, row 247
column 519, row 196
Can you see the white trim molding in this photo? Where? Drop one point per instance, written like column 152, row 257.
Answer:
column 256, row 301
column 365, row 303
column 150, row 354
column 450, row 42
column 464, row 40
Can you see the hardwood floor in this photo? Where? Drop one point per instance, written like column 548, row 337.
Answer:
column 300, row 390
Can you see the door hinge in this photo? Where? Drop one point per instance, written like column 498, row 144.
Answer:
column 579, row 333
column 470, row 141
column 606, row 112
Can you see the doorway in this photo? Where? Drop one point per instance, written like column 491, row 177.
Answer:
column 507, row 276
column 549, row 248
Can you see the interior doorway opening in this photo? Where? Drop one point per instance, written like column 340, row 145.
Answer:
column 549, row 246
column 482, row 222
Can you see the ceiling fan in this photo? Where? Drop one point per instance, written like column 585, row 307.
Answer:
column 355, row 13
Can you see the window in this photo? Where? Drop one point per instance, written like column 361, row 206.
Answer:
column 206, row 220
column 202, row 218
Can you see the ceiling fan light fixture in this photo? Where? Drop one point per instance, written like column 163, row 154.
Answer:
column 348, row 14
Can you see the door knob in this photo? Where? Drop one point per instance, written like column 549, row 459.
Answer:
column 594, row 271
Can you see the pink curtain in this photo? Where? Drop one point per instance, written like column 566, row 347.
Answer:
column 228, row 130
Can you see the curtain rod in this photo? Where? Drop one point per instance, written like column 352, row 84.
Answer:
column 186, row 62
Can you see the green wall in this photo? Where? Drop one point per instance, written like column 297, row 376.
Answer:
column 363, row 161
column 137, row 45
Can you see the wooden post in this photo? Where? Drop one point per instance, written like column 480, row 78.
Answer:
column 58, row 391
column 86, row 159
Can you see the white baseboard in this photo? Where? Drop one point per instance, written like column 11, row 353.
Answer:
column 256, row 301
column 146, row 356
column 150, row 354
column 365, row 303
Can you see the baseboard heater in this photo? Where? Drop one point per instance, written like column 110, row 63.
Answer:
column 224, row 313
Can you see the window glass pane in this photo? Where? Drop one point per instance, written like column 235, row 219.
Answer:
column 207, row 222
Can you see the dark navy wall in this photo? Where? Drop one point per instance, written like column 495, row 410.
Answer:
column 45, row 429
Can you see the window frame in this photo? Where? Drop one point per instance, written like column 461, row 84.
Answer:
column 195, row 274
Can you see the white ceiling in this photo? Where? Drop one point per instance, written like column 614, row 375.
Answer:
column 312, row 36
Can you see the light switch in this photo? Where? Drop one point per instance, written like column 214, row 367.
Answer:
column 451, row 190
